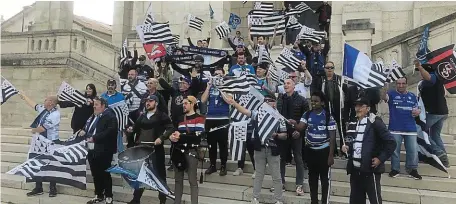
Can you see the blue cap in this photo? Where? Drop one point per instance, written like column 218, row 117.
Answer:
column 186, row 79
column 152, row 97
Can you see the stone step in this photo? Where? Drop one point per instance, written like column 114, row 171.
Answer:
column 207, row 191
column 18, row 196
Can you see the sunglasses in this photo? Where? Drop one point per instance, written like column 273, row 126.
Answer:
column 329, row 67
column 292, row 77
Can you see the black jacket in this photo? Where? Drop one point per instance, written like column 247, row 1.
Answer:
column 354, row 92
column 129, row 64
column 324, row 8
column 377, row 142
column 299, row 106
column 159, row 122
column 162, row 105
column 105, row 137
column 80, row 115
column 144, row 71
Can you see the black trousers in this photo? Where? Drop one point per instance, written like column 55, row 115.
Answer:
column 39, row 185
column 102, row 180
column 365, row 183
column 317, row 164
column 336, row 112
column 130, row 136
column 219, row 137
column 316, row 82
column 324, row 26
column 158, row 159
column 250, row 148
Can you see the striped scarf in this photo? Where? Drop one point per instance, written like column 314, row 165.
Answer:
column 355, row 131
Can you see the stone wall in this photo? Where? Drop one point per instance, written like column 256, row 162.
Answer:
column 37, row 82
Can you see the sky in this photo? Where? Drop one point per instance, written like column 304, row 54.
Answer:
column 100, row 10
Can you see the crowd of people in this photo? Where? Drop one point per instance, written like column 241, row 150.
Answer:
column 177, row 102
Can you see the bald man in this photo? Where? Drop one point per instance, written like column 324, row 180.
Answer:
column 46, row 124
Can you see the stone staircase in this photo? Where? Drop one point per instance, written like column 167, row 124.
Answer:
column 435, row 187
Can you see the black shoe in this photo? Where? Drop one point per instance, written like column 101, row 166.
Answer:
column 393, row 173
column 95, row 200
column 222, row 171
column 171, row 168
column 210, row 170
column 133, row 202
column 35, row 192
column 52, row 192
column 414, row 174
column 444, row 159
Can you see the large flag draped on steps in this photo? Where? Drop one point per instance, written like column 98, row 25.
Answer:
column 358, row 67
column 70, row 94
column 60, row 162
column 443, row 61
column 237, row 135
column 7, row 91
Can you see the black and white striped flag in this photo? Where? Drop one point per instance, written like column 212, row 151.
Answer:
column 302, row 7
column 293, row 23
column 265, row 26
column 395, row 72
column 121, row 111
column 268, row 121
column 124, row 51
column 288, row 59
column 223, row 30
column 379, row 66
column 70, row 94
column 264, row 56
column 250, row 101
column 311, row 34
column 8, row 90
column 51, row 165
column 148, row 176
column 237, row 135
column 175, row 41
column 149, row 15
column 265, row 6
column 238, row 85
column 195, row 22
column 155, row 33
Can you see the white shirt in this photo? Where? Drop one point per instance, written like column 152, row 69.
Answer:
column 302, row 90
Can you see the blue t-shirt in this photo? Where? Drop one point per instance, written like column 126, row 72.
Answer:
column 400, row 112
column 317, row 136
column 111, row 99
column 217, row 108
column 239, row 70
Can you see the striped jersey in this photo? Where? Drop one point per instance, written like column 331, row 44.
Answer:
column 192, row 123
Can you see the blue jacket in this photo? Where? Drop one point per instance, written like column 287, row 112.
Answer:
column 216, row 106
column 238, row 68
column 117, row 97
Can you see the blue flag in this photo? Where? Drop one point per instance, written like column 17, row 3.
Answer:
column 128, row 176
column 423, row 49
column 234, row 21
column 211, row 12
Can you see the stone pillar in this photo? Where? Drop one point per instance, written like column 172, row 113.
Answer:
column 358, row 33
column 51, row 15
column 122, row 21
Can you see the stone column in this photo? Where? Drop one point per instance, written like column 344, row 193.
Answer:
column 358, row 33
column 51, row 15
column 122, row 21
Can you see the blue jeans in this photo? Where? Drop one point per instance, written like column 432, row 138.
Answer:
column 434, row 123
column 411, row 162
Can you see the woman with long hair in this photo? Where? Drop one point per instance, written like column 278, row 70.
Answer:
column 81, row 114
column 164, row 72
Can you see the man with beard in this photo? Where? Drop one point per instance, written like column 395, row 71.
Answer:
column 241, row 68
column 369, row 145
column 112, row 97
column 104, row 142
column 144, row 71
column 152, row 126
column 133, row 91
column 292, row 106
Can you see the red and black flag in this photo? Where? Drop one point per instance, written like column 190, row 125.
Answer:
column 443, row 61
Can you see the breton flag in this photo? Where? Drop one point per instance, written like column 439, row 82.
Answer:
column 288, row 59
column 251, row 101
column 264, row 56
column 195, row 22
column 222, row 30
column 265, row 26
column 428, row 151
column 70, row 94
column 154, row 33
column 149, row 16
column 358, row 66
column 60, row 163
column 423, row 49
column 237, row 135
column 293, row 23
column 298, row 9
column 443, row 61
column 268, row 121
column 121, row 111
column 175, row 41
column 238, row 85
column 148, row 176
column 265, row 6
column 124, row 51
column 311, row 34
column 8, row 90
column 395, row 72
column 379, row 66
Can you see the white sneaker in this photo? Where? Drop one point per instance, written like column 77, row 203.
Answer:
column 253, row 175
column 238, row 172
column 255, row 201
column 278, row 202
column 108, row 200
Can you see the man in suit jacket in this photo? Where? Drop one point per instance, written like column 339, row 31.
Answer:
column 104, row 140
